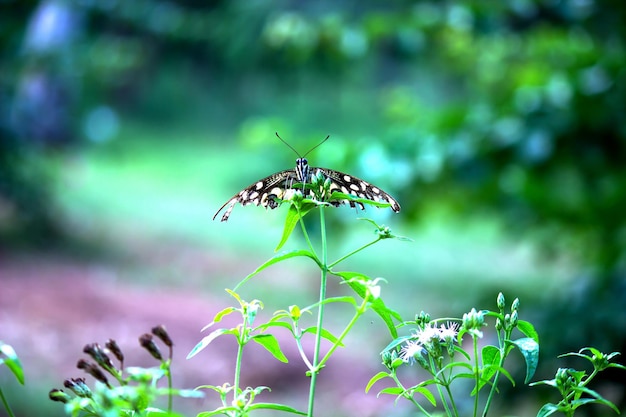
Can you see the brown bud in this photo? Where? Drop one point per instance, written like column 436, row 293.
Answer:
column 115, row 350
column 93, row 370
column 160, row 332
column 97, row 353
column 147, row 343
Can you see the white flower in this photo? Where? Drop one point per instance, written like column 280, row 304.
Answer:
column 448, row 334
column 410, row 350
column 427, row 335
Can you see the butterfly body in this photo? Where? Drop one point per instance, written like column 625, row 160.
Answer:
column 268, row 191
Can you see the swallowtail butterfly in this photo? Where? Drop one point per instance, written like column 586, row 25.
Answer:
column 268, row 192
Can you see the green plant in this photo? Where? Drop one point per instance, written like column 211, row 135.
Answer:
column 572, row 384
column 366, row 288
column 436, row 345
column 136, row 390
column 9, row 358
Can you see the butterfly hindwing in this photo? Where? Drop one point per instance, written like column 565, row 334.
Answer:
column 348, row 184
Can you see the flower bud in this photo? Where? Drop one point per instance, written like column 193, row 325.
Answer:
column 514, row 318
column 115, row 350
column 498, row 324
column 97, row 353
column 515, row 305
column 147, row 343
column 59, row 395
column 422, row 318
column 160, row 332
column 500, row 301
column 78, row 387
column 93, row 370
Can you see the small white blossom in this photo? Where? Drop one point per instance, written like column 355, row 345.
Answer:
column 427, row 335
column 409, row 350
column 448, row 333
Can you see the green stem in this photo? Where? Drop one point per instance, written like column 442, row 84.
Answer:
column 320, row 313
column 360, row 311
column 494, row 386
column 477, row 373
column 6, row 404
column 353, row 252
column 240, row 344
column 433, row 370
column 304, row 232
column 410, row 398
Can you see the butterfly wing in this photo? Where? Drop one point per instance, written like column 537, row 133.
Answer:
column 263, row 192
column 348, row 184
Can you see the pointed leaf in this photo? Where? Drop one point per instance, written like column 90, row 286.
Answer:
column 325, row 334
column 375, row 379
column 219, row 316
column 427, row 394
column 391, row 391
column 293, row 216
column 279, row 258
column 530, row 350
column 279, row 407
column 270, row 344
column 378, row 305
column 528, row 329
column 12, row 361
column 547, row 410
column 208, row 339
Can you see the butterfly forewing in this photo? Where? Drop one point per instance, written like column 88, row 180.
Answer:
column 268, row 191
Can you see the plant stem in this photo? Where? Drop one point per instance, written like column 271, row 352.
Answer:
column 476, row 372
column 240, row 344
column 408, row 397
column 320, row 313
column 6, row 404
column 353, row 252
column 360, row 311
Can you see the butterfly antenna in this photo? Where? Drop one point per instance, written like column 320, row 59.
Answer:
column 309, row 151
column 291, row 147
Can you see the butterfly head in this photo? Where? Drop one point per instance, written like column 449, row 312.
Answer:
column 302, row 169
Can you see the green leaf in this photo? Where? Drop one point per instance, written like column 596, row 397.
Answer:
column 270, row 343
column 12, row 361
column 598, row 399
column 219, row 411
column 325, row 334
column 208, row 339
column 219, row 316
column 491, row 355
column 293, row 216
column 375, row 379
column 264, row 326
column 427, row 394
column 528, row 329
column 396, row 342
column 547, row 410
column 378, row 305
column 491, row 361
column 391, row 391
column 530, row 350
column 279, row 258
column 279, row 407
column 343, row 196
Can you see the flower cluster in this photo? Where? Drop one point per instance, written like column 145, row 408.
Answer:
column 431, row 340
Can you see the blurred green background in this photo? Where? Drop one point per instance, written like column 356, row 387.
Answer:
column 499, row 127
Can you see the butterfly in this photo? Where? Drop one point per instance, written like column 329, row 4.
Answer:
column 270, row 191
